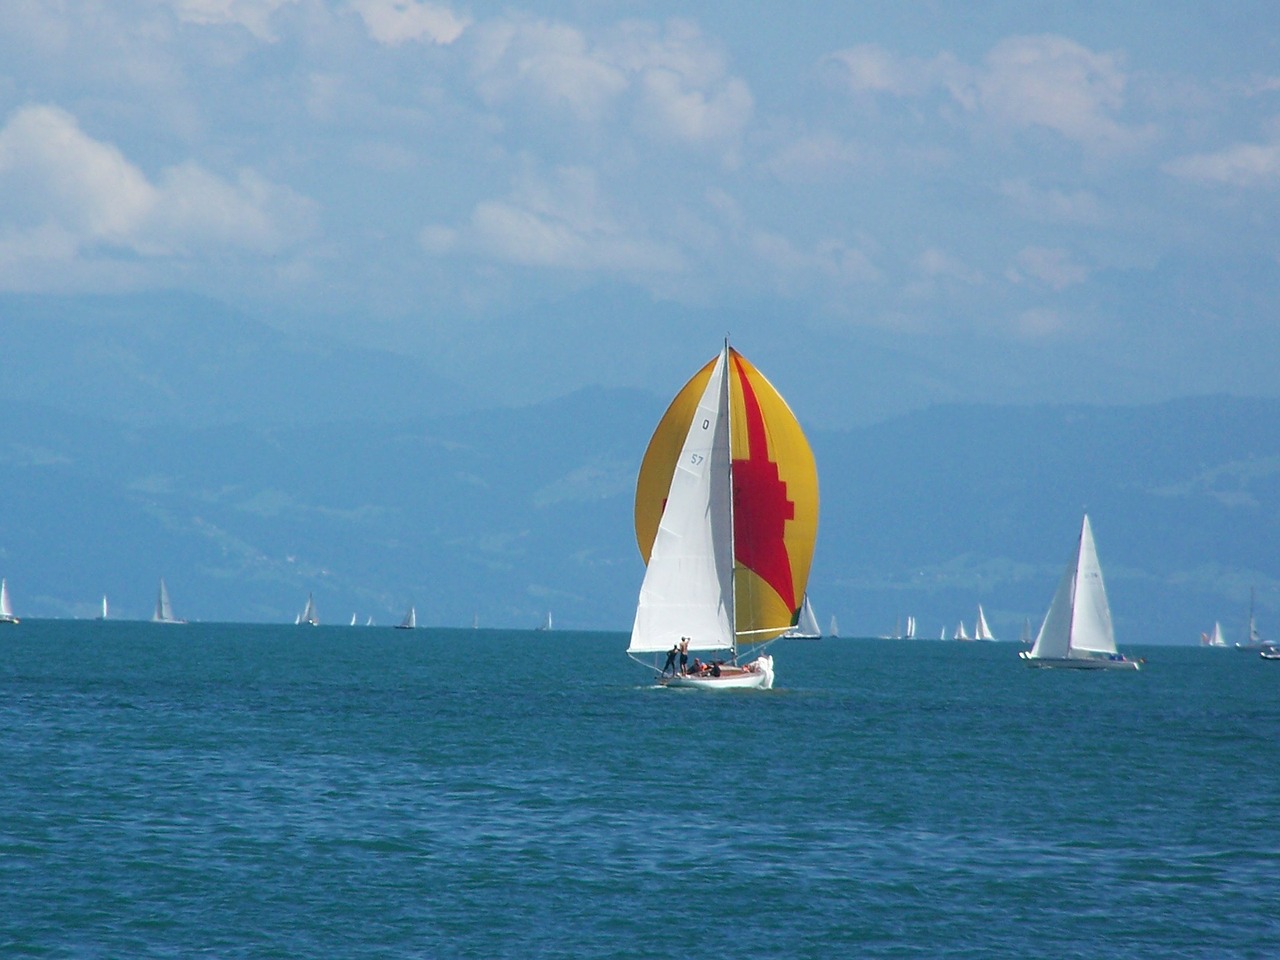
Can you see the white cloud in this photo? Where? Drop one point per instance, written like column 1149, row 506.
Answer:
column 548, row 63
column 397, row 21
column 872, row 69
column 815, row 157
column 674, row 81
column 1047, row 266
column 939, row 264
column 1047, row 81
column 1053, row 206
column 1240, row 165
column 1055, row 83
column 254, row 15
column 59, row 184
column 561, row 223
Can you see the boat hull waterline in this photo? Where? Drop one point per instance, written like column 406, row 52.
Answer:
column 757, row 675
column 1079, row 663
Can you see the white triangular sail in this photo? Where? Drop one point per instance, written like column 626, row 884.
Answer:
column 309, row 616
column 104, row 607
column 961, row 633
column 1217, row 639
column 410, row 621
column 981, row 631
column 6, row 608
column 834, row 629
column 164, row 608
column 688, row 584
column 807, row 626
column 1079, row 619
column 911, row 628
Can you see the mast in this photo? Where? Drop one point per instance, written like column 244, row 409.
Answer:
column 727, row 407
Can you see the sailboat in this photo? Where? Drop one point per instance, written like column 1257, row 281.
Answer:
column 833, row 630
column 1215, row 639
column 410, row 621
column 546, row 624
column 164, row 609
column 1077, row 631
column 1253, row 639
column 353, row 620
column 911, row 629
column 1025, row 636
column 961, row 633
column 806, row 627
column 308, row 615
column 6, row 608
column 103, row 615
column 726, row 518
column 980, row 630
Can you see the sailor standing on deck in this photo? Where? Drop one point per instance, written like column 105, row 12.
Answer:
column 671, row 660
column 684, row 656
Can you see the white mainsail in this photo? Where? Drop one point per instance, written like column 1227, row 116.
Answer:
column 961, row 633
column 834, row 629
column 6, row 608
column 1078, row 622
column 688, row 584
column 981, row 631
column 104, row 607
column 410, row 621
column 911, row 628
column 164, row 609
column 309, row 616
column 806, row 627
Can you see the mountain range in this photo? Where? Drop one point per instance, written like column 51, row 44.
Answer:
column 248, row 469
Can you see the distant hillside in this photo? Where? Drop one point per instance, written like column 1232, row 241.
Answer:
column 504, row 514
column 182, row 359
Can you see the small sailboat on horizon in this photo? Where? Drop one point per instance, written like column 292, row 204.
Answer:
column 308, row 615
column 980, row 630
column 164, row 608
column 1253, row 639
column 806, row 627
column 726, row 517
column 410, row 621
column 1077, row 631
column 103, row 614
column 1213, row 638
column 6, row 607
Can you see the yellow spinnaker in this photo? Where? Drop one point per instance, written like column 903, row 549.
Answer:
column 775, row 496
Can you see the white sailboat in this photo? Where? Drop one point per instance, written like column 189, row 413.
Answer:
column 1077, row 631
column 308, row 615
column 911, row 628
column 1026, row 637
column 806, row 627
column 6, row 608
column 1214, row 639
column 353, row 620
column 833, row 630
column 103, row 615
column 981, row 631
column 961, row 633
column 164, row 609
column 726, row 518
column 1253, row 639
column 410, row 621
column 546, row 624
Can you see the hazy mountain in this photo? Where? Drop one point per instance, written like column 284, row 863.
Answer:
column 504, row 514
column 179, row 358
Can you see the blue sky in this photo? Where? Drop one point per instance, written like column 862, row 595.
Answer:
column 885, row 204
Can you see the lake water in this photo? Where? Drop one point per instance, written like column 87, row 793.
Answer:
column 233, row 791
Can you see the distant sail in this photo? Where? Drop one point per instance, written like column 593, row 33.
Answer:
column 164, row 608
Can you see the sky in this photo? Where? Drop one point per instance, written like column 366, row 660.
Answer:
column 885, row 204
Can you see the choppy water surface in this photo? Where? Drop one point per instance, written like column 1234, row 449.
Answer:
column 258, row 791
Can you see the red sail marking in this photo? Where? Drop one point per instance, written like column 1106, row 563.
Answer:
column 760, row 505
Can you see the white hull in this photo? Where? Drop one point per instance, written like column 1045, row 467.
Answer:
column 1079, row 663
column 755, row 676
column 8, row 618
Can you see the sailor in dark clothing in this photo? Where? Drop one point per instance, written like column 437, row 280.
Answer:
column 671, row 660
